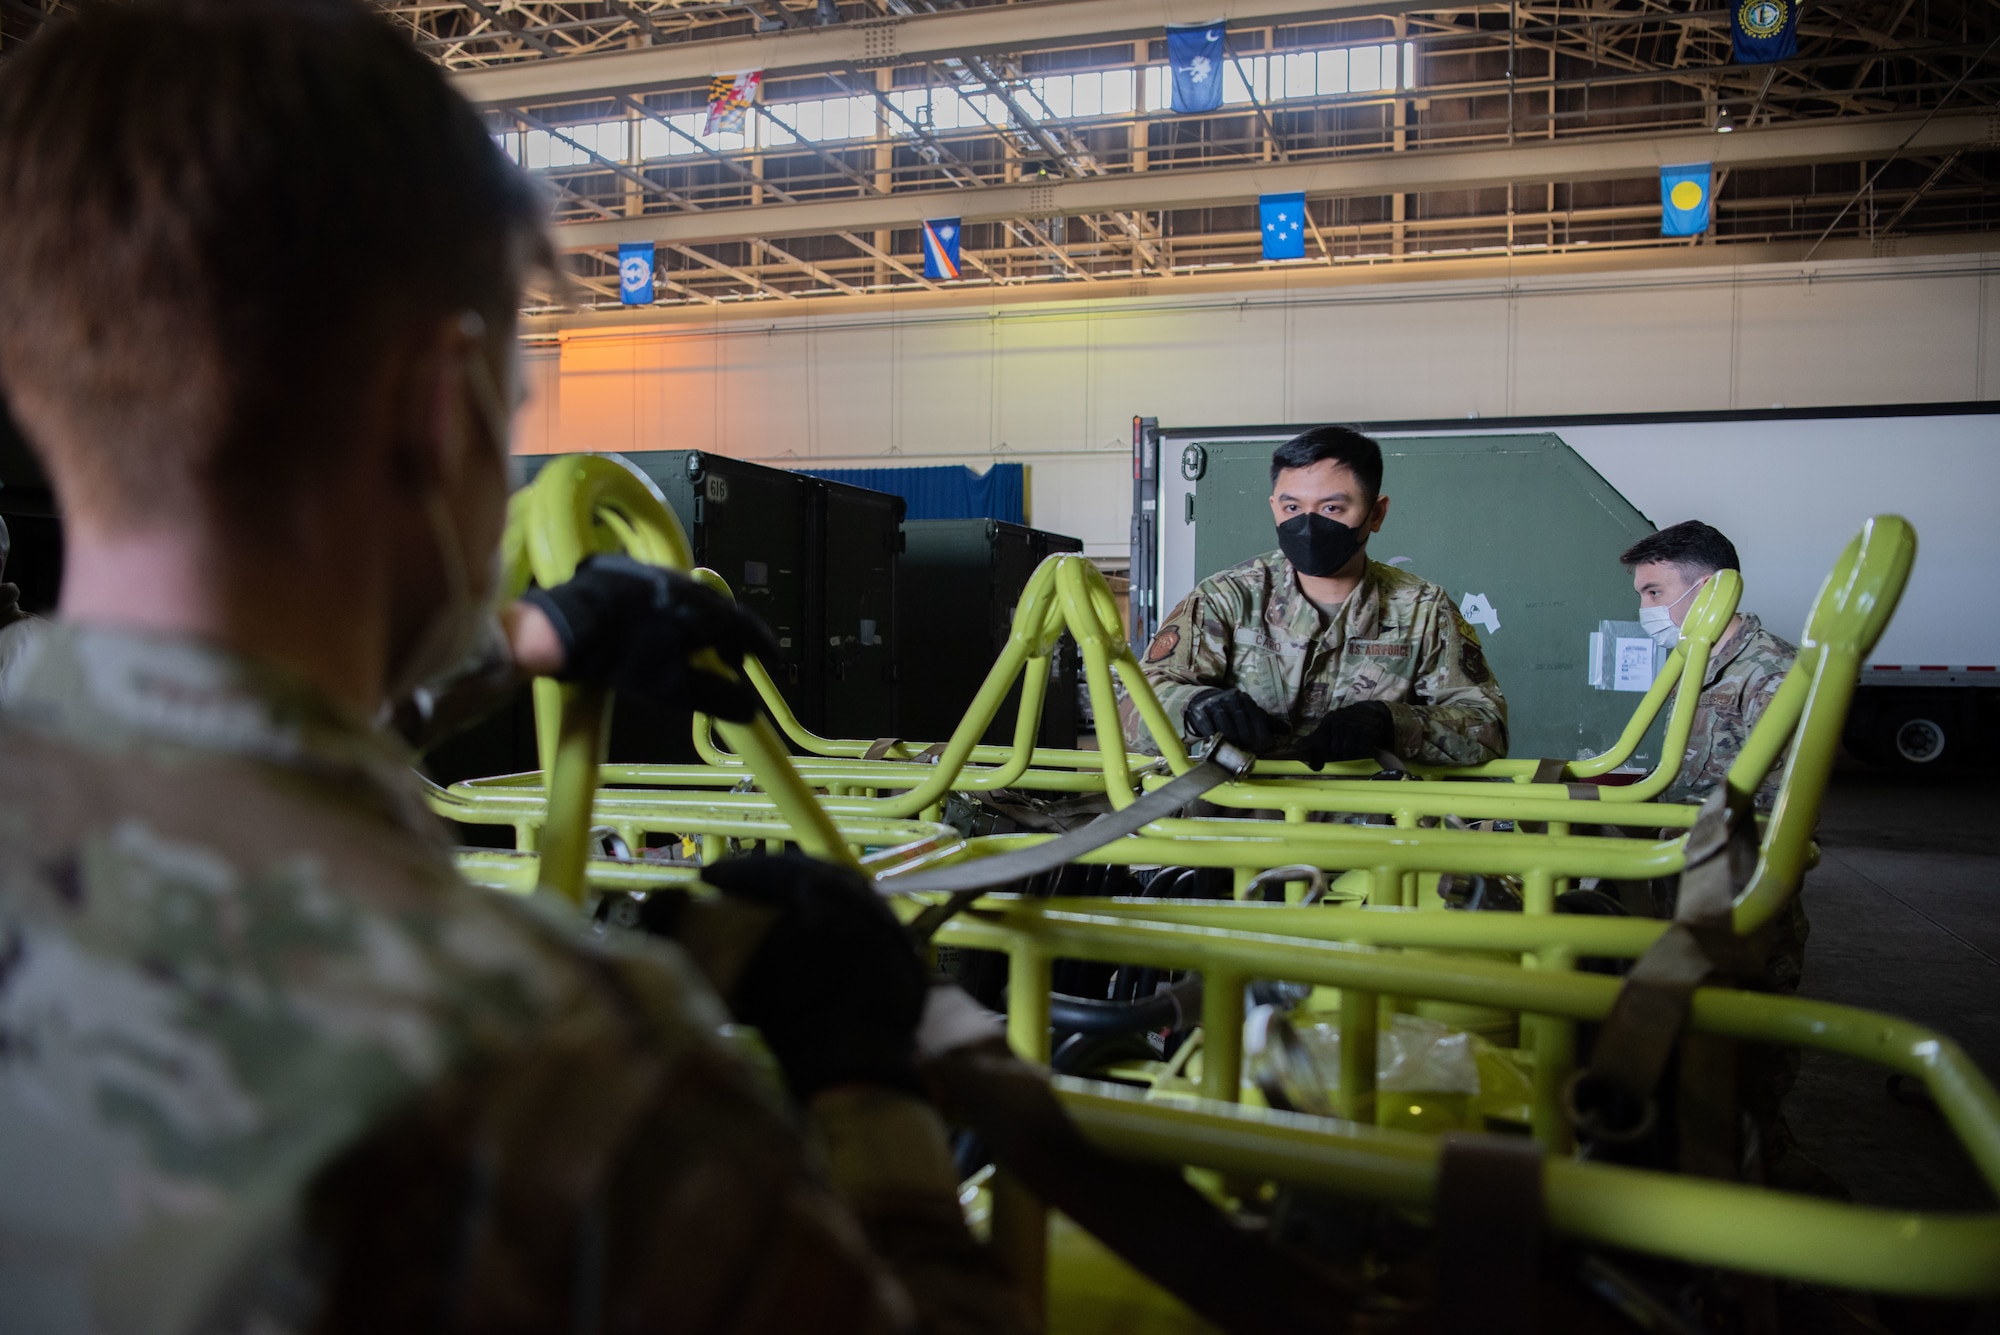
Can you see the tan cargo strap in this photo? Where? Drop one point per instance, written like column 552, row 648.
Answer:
column 1611, row 1100
column 1145, row 1213
column 1488, row 1218
column 1551, row 771
column 964, row 882
column 880, row 748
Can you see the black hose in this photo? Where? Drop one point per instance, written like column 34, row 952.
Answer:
column 1172, row 1007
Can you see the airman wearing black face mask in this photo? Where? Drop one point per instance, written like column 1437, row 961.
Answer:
column 1313, row 651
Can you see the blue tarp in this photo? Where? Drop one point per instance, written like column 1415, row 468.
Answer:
column 954, row 492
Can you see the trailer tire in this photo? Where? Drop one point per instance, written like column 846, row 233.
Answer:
column 1916, row 737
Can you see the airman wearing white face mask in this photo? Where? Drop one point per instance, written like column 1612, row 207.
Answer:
column 1749, row 663
column 1668, row 569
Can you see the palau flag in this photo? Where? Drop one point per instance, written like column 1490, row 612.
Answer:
column 1194, row 54
column 941, row 248
column 1762, row 31
column 635, row 273
column 1684, row 199
column 1284, row 223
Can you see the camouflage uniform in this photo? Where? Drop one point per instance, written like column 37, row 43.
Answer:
column 1744, row 672
column 1397, row 639
column 267, row 1063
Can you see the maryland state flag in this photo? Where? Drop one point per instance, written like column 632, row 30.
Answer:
column 1762, row 31
column 1684, row 198
column 729, row 97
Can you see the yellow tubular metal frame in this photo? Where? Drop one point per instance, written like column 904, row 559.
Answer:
column 1030, row 641
column 1062, row 594
column 1696, row 1221
column 1807, row 713
column 582, row 504
column 1021, row 764
column 1709, row 1223
column 1681, row 678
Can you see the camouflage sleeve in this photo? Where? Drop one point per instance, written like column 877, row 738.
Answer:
column 1756, row 701
column 888, row 1159
column 1459, row 716
column 1188, row 655
column 629, row 1174
column 1723, row 718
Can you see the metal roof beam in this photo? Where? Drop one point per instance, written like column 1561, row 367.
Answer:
column 1606, row 158
column 897, row 39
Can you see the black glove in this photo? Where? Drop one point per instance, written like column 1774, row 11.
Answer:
column 1352, row 732
column 634, row 627
column 835, row 986
column 1234, row 717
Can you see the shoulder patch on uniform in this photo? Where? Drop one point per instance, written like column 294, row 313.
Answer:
column 1168, row 640
column 1472, row 661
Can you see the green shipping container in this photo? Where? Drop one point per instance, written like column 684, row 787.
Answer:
column 1517, row 527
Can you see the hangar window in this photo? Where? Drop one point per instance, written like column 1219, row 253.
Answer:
column 1336, row 71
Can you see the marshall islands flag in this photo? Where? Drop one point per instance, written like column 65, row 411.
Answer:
column 941, row 248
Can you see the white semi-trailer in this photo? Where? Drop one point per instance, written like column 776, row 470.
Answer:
column 1789, row 487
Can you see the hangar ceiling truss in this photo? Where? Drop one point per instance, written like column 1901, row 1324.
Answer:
column 1418, row 133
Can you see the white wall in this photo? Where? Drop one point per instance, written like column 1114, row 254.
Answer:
column 1056, row 385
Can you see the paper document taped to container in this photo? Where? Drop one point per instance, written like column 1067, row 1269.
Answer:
column 1632, row 665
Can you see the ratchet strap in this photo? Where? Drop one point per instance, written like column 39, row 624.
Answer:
column 1611, row 1100
column 966, row 881
column 1487, row 1215
column 1551, row 771
column 880, row 748
column 1145, row 1213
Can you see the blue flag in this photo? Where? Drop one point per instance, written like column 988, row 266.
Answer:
column 635, row 273
column 941, row 249
column 1194, row 53
column 1284, row 219
column 1762, row 31
column 1684, row 198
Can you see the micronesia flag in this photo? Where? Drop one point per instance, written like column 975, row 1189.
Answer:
column 1284, row 220
column 941, row 248
column 1684, row 198
column 1762, row 31
column 635, row 273
column 1194, row 54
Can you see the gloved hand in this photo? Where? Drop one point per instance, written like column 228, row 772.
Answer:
column 1234, row 717
column 634, row 627
column 1352, row 732
column 835, row 986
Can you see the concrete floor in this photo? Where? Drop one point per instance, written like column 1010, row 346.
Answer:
column 1905, row 911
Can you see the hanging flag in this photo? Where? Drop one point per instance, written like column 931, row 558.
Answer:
column 635, row 273
column 1762, row 31
column 1684, row 193
column 941, row 248
column 1194, row 53
column 1284, row 219
column 729, row 96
